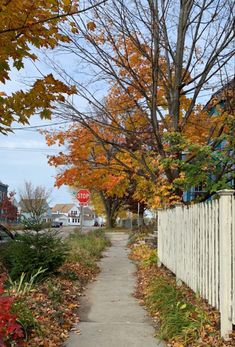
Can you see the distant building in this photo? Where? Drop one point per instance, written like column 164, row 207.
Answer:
column 89, row 217
column 70, row 214
column 222, row 100
column 3, row 190
column 3, row 194
column 67, row 214
column 25, row 210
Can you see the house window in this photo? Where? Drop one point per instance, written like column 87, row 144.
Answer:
column 199, row 190
column 73, row 220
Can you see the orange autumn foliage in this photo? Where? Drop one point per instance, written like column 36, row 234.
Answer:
column 87, row 163
column 24, row 26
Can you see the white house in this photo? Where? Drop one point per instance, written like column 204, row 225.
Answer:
column 67, row 214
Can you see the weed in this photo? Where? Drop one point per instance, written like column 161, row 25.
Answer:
column 152, row 259
column 69, row 275
column 55, row 293
column 178, row 317
column 21, row 286
column 24, row 316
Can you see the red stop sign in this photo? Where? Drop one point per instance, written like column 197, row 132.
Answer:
column 83, row 196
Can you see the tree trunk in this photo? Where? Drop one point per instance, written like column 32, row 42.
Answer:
column 112, row 206
column 141, row 215
column 111, row 221
column 141, row 218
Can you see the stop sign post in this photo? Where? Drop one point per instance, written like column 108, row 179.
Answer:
column 83, row 196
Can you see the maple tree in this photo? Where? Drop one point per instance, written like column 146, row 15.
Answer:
column 156, row 71
column 86, row 163
column 26, row 26
column 86, row 166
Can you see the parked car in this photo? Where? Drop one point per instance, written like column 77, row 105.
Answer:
column 5, row 235
column 55, row 224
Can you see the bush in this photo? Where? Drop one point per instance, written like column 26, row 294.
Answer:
column 29, row 252
column 10, row 330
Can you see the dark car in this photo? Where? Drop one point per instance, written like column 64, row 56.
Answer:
column 55, row 224
column 5, row 235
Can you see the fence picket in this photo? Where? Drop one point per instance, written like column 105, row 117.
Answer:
column 233, row 260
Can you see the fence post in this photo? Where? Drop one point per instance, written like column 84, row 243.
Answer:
column 177, row 207
column 159, row 241
column 225, row 251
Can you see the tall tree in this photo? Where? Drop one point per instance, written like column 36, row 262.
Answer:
column 160, row 58
column 87, row 163
column 34, row 205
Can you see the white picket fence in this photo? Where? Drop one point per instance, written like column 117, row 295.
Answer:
column 197, row 243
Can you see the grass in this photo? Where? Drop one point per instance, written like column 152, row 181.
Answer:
column 182, row 319
column 178, row 317
column 87, row 248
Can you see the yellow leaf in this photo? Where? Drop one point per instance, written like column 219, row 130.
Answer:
column 91, row 26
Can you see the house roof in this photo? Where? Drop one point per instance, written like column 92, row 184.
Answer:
column 62, row 208
column 59, row 215
column 226, row 93
column 222, row 91
column 2, row 184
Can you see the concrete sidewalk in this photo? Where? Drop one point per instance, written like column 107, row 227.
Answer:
column 110, row 315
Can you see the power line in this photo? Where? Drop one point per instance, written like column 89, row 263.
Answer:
column 40, row 126
column 28, row 149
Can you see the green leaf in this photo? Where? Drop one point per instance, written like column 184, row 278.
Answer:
column 18, row 64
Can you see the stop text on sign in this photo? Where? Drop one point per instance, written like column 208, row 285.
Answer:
column 83, row 196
